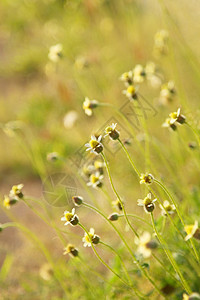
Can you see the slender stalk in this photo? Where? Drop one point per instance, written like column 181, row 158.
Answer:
column 127, row 246
column 136, row 217
column 194, row 131
column 117, row 195
column 124, row 267
column 129, row 158
column 178, row 212
column 170, row 257
column 99, row 257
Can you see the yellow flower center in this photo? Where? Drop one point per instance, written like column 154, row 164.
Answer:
column 174, row 115
column 89, row 237
column 68, row 216
column 108, row 129
column 93, row 143
column 131, row 90
column 189, row 229
column 147, row 201
column 94, row 178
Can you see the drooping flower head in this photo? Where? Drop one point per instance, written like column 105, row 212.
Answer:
column 169, row 123
column 145, row 244
column 138, row 74
column 16, row 191
column 90, row 238
column 127, row 78
column 177, row 117
column 167, row 208
column 130, row 92
column 112, row 132
column 146, row 178
column 95, row 180
column 70, row 217
column 147, row 203
column 55, row 52
column 192, row 231
column 193, row 296
column 95, row 145
column 8, row 202
column 89, row 105
column 71, row 250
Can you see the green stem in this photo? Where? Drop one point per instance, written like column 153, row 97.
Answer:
column 178, row 212
column 127, row 246
column 170, row 257
column 129, row 157
column 101, row 260
column 136, row 217
column 125, row 269
column 194, row 131
column 117, row 195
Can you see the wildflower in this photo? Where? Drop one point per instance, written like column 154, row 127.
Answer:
column 70, row 119
column 53, row 156
column 127, row 78
column 113, row 217
column 99, row 165
column 138, row 74
column 151, row 75
column 193, row 296
column 147, row 203
column 146, row 178
column 145, row 244
column 167, row 208
column 78, row 200
column 71, row 250
column 177, row 117
column 8, row 202
column 90, row 238
column 160, row 42
column 118, row 204
column 87, row 170
column 95, row 145
column 55, row 53
column 46, row 271
column 169, row 123
column 70, row 217
column 167, row 92
column 81, row 62
column 112, row 132
column 130, row 92
column 89, row 105
column 192, row 231
column 95, row 180
column 16, row 191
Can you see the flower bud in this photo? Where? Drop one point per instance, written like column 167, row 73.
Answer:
column 78, row 200
column 113, row 217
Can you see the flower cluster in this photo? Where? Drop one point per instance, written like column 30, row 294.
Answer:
column 174, row 118
column 15, row 195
